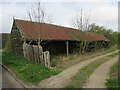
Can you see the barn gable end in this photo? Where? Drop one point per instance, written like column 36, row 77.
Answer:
column 17, row 41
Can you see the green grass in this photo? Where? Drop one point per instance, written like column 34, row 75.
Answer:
column 70, row 86
column 79, row 79
column 72, row 58
column 94, row 56
column 112, row 55
column 106, row 50
column 113, row 83
column 113, row 80
column 113, row 70
column 27, row 71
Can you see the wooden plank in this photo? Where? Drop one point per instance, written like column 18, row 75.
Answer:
column 40, row 51
column 45, row 59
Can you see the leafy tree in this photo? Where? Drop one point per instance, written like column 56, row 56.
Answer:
column 108, row 33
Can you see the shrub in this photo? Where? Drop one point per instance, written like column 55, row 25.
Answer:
column 8, row 46
column 113, row 36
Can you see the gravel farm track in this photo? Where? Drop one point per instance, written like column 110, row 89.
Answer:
column 64, row 78
column 98, row 78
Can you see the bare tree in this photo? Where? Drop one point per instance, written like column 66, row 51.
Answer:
column 37, row 14
column 77, row 22
column 87, row 22
column 81, row 22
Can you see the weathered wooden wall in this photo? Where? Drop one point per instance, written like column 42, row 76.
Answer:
column 34, row 53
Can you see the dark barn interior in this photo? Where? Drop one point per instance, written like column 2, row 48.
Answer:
column 59, row 47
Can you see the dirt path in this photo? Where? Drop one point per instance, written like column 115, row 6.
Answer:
column 64, row 78
column 98, row 78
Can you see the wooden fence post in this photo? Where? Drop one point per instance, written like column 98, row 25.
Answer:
column 47, row 59
column 67, row 48
column 40, row 52
column 25, row 49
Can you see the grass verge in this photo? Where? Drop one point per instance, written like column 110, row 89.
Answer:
column 108, row 51
column 79, row 79
column 113, row 55
column 105, row 52
column 27, row 71
column 113, row 81
column 114, row 70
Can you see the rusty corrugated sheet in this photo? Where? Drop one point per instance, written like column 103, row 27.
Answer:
column 31, row 30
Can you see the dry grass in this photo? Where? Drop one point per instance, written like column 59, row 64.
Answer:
column 62, row 62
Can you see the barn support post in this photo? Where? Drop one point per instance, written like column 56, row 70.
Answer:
column 67, row 47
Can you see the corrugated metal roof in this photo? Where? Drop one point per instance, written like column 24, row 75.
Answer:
column 31, row 30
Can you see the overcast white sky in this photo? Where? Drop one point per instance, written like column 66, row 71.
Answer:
column 102, row 12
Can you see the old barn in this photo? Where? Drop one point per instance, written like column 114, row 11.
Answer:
column 55, row 39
